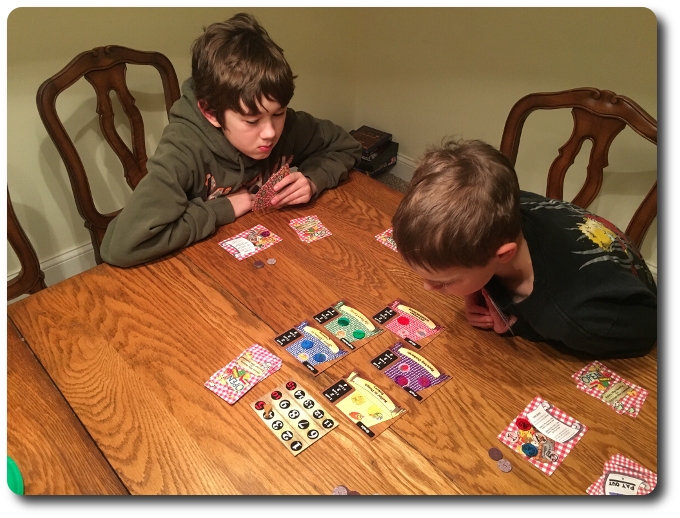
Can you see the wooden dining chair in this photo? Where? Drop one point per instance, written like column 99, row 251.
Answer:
column 599, row 116
column 31, row 278
column 105, row 69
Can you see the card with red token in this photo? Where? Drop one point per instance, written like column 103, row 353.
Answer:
column 622, row 476
column 243, row 373
column 543, row 435
column 386, row 239
column 264, row 196
column 407, row 323
column 309, row 228
column 249, row 242
column 600, row 382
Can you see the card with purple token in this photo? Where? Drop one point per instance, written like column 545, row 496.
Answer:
column 408, row 369
column 249, row 242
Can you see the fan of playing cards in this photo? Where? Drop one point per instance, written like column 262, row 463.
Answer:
column 264, row 196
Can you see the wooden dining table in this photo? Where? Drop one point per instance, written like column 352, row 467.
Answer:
column 106, row 374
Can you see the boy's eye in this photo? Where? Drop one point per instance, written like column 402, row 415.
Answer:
column 279, row 114
column 252, row 122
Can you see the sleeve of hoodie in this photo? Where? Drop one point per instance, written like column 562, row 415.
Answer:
column 159, row 217
column 323, row 151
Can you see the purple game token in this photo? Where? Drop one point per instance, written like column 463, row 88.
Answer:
column 504, row 465
column 354, row 493
column 495, row 454
column 259, row 264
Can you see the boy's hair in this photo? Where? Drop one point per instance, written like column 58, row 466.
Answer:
column 236, row 61
column 460, row 207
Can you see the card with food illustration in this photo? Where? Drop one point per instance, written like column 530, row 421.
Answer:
column 249, row 242
column 600, row 382
column 386, row 239
column 347, row 324
column 309, row 228
column 366, row 404
column 408, row 323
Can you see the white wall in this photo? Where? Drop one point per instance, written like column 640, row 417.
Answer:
column 420, row 73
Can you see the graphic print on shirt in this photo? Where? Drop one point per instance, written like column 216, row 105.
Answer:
column 610, row 243
column 213, row 190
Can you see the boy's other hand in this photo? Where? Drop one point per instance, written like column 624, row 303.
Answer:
column 477, row 311
column 242, row 201
column 293, row 189
column 498, row 324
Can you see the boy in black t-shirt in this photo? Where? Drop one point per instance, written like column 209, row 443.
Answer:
column 542, row 269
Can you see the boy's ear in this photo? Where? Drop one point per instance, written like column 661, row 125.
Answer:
column 506, row 252
column 208, row 113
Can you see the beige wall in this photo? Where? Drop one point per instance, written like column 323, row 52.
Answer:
column 418, row 73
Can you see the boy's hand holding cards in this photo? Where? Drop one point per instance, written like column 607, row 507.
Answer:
column 264, row 196
column 240, row 375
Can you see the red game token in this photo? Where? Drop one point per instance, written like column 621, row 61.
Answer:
column 403, row 321
column 523, row 424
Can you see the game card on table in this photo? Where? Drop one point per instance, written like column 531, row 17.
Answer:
column 243, row 373
column 408, row 324
column 409, row 370
column 367, row 405
column 249, row 242
column 310, row 346
column 543, row 435
column 347, row 324
column 294, row 416
column 309, row 228
column 601, row 383
column 622, row 476
column 386, row 239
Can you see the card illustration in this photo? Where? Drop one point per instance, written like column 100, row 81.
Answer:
column 543, row 435
column 368, row 406
column 409, row 370
column 243, row 373
column 622, row 476
column 386, row 239
column 600, row 382
column 264, row 196
column 350, row 326
column 309, row 228
column 310, row 346
column 408, row 324
column 249, row 242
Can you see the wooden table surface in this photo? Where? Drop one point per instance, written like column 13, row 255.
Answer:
column 122, row 356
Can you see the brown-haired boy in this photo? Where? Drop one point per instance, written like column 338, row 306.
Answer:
column 542, row 269
column 230, row 130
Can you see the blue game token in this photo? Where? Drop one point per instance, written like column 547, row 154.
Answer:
column 306, row 344
column 529, row 450
column 320, row 357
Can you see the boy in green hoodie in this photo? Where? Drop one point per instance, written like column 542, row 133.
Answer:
column 230, row 130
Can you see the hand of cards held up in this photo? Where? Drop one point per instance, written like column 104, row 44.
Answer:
column 264, row 196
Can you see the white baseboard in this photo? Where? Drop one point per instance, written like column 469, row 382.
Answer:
column 63, row 266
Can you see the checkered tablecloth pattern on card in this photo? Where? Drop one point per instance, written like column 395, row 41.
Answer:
column 258, row 235
column 624, row 465
column 626, row 403
column 218, row 382
column 307, row 222
column 386, row 239
column 561, row 449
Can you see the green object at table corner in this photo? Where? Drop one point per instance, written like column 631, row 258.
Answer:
column 14, row 479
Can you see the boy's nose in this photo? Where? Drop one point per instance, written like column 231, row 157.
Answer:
column 268, row 131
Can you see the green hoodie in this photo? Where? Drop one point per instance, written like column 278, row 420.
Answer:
column 182, row 197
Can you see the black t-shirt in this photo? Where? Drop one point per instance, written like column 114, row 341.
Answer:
column 592, row 292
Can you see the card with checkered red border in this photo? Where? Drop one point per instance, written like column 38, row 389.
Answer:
column 249, row 242
column 243, row 373
column 602, row 383
column 264, row 196
column 540, row 424
column 622, row 474
column 309, row 228
column 386, row 239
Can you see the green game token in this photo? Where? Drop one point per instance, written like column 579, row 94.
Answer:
column 14, row 479
column 343, row 321
column 358, row 333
